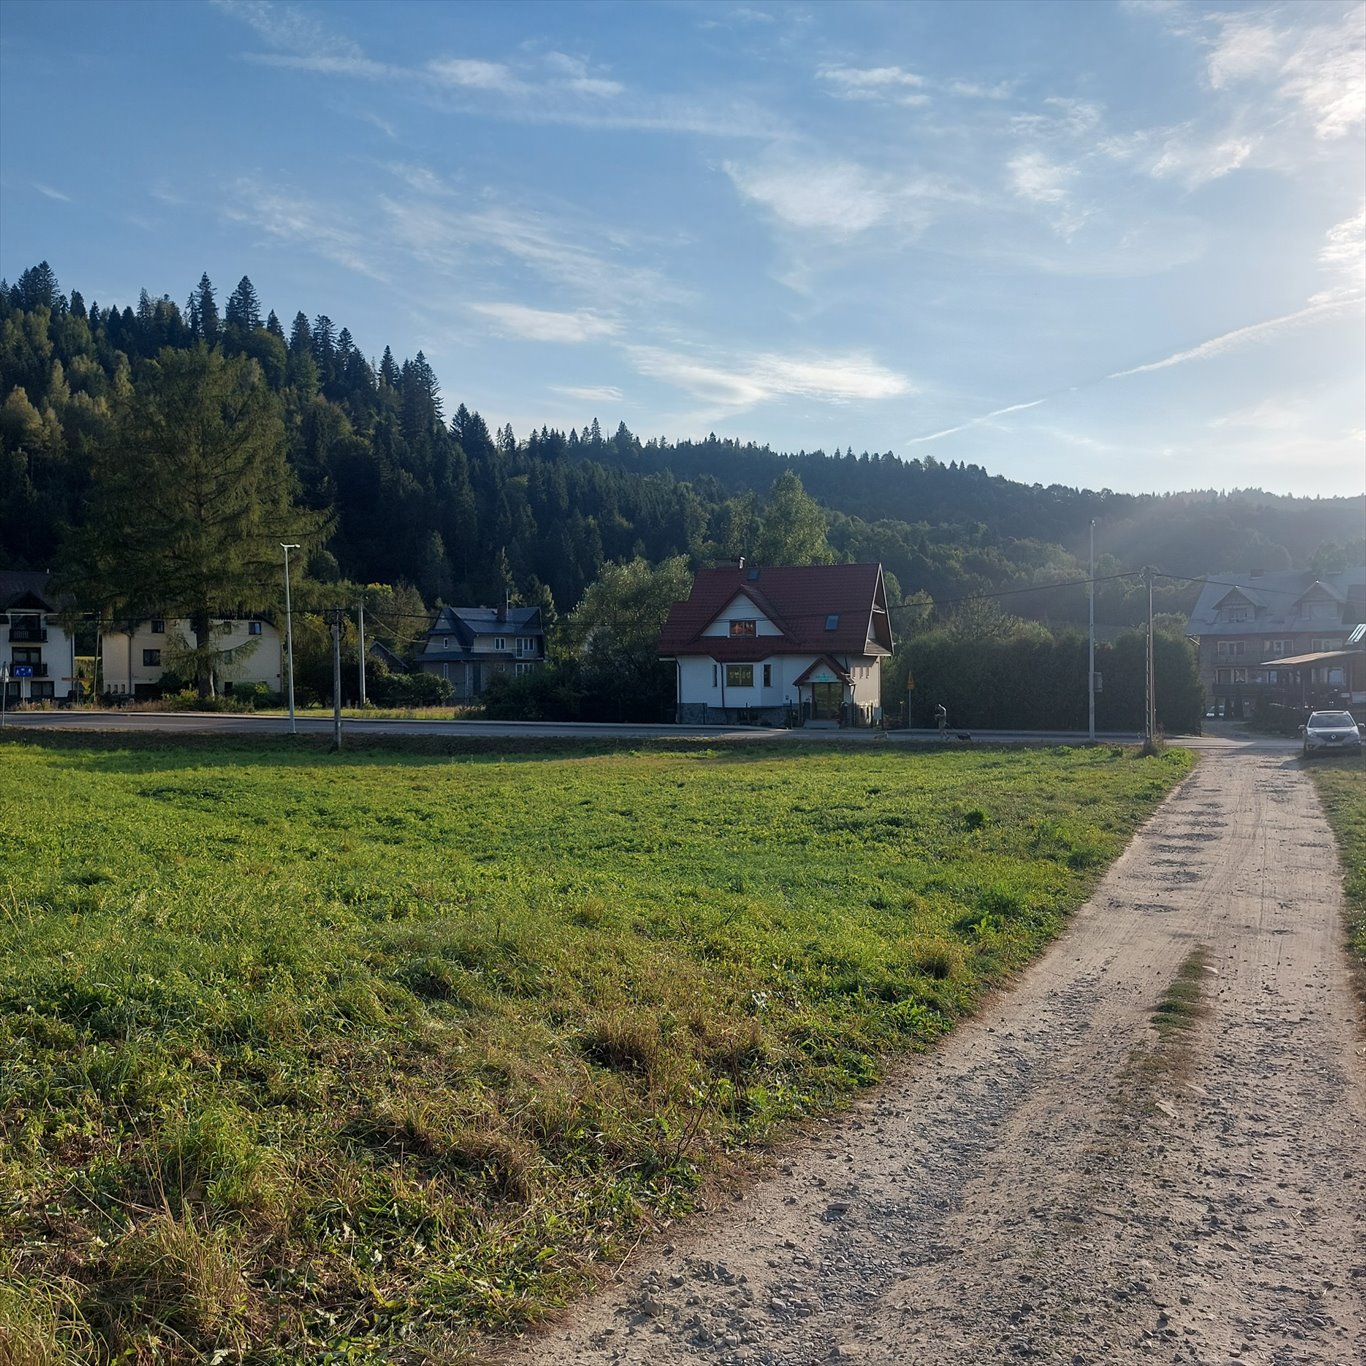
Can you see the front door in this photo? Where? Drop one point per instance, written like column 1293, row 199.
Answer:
column 825, row 701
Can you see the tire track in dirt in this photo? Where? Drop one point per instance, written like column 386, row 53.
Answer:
column 1050, row 1184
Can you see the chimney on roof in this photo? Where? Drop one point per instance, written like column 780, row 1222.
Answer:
column 739, row 561
column 503, row 610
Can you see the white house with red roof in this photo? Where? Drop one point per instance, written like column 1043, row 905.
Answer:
column 791, row 644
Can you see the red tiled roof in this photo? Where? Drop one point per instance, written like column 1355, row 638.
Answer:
column 798, row 599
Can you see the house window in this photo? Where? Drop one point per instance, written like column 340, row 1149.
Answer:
column 158, row 626
column 768, row 675
column 445, row 671
column 38, row 691
column 1230, row 649
column 1233, row 614
column 26, row 655
column 1316, row 646
column 739, row 675
column 743, row 628
column 523, row 669
column 1277, row 647
column 253, row 628
column 500, row 643
column 832, row 622
column 151, row 659
column 714, row 672
column 445, row 642
column 526, row 647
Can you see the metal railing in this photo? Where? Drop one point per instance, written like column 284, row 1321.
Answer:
column 36, row 635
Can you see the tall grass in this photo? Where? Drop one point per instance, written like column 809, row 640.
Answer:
column 348, row 1058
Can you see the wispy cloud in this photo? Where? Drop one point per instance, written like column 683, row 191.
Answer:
column 890, row 83
column 538, row 324
column 471, row 74
column 589, row 393
column 1343, row 258
column 1194, row 161
column 292, row 218
column 1314, row 66
column 50, row 192
column 742, row 382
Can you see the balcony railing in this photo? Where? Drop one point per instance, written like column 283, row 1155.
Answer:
column 35, row 635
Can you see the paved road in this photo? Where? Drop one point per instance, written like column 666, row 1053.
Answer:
column 224, row 723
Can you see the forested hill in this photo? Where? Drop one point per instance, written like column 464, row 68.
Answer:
column 424, row 495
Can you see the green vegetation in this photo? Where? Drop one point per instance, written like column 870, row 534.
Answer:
column 1343, row 791
column 1182, row 1005
column 348, row 1058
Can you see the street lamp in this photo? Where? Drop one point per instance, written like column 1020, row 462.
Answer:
column 289, row 634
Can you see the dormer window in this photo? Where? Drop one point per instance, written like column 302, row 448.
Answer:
column 1235, row 613
column 744, row 627
column 832, row 622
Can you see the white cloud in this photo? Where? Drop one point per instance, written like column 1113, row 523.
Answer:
column 1037, row 179
column 839, row 198
column 888, row 83
column 1315, row 66
column 50, row 192
column 538, row 324
column 972, row 90
column 743, row 382
column 1343, row 256
column 418, row 178
column 471, row 74
column 599, row 393
column 1194, row 163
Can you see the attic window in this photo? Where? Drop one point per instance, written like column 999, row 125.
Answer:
column 832, row 622
column 744, row 627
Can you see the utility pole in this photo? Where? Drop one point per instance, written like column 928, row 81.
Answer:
column 1091, row 644
column 361, row 620
column 289, row 634
column 4, row 690
column 333, row 617
column 1150, row 692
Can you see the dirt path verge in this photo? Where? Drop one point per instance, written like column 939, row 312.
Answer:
column 1061, row 1181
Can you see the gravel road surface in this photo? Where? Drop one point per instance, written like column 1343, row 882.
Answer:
column 1056, row 1182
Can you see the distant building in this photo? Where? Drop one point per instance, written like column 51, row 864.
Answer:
column 1292, row 638
column 38, row 651
column 799, row 645
column 469, row 645
column 138, row 654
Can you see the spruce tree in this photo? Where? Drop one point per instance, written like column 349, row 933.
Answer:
column 191, row 496
column 244, row 308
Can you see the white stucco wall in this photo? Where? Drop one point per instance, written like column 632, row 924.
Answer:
column 124, row 669
column 702, row 680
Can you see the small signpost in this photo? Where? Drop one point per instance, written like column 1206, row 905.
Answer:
column 4, row 692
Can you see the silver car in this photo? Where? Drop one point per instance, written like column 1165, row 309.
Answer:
column 1331, row 732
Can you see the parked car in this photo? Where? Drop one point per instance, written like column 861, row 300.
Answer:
column 1331, row 732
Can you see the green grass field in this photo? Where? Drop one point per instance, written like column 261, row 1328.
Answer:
column 347, row 1059
column 1342, row 787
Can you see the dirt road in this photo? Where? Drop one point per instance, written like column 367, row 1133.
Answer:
column 1056, row 1182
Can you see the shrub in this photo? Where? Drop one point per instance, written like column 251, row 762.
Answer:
column 409, row 690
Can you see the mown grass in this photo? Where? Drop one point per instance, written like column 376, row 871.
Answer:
column 348, row 1058
column 1342, row 788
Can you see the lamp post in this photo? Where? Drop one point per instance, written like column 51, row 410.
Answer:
column 289, row 634
column 1091, row 644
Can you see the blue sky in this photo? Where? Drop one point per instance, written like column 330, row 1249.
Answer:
column 1110, row 245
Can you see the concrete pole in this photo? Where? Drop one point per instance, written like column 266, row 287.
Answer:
column 1091, row 644
column 289, row 637
column 1150, row 717
column 361, row 618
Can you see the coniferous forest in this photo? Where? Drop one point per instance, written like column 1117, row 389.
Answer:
column 405, row 484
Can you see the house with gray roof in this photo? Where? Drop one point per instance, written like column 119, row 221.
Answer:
column 469, row 645
column 1293, row 638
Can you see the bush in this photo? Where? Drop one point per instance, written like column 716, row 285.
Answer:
column 550, row 693
column 409, row 690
